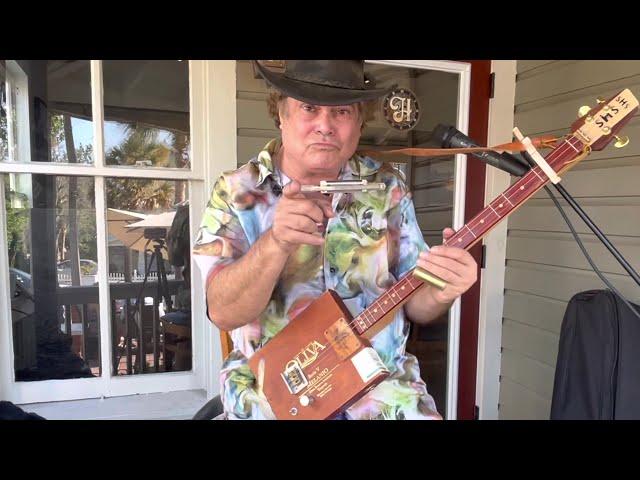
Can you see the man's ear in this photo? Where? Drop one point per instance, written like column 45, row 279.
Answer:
column 280, row 116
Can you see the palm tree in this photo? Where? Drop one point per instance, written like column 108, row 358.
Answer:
column 74, row 250
column 140, row 145
column 180, row 144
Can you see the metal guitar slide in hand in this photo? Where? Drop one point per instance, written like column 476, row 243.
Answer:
column 343, row 186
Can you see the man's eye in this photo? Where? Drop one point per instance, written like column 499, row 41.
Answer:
column 308, row 108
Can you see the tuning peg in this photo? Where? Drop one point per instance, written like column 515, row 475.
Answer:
column 621, row 141
column 582, row 111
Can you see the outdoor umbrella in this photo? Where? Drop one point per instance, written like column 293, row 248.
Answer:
column 117, row 221
column 160, row 220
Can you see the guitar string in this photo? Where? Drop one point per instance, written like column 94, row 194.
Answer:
column 357, row 319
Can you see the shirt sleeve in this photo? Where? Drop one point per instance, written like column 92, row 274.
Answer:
column 220, row 239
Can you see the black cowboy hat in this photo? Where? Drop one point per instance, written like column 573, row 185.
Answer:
column 322, row 82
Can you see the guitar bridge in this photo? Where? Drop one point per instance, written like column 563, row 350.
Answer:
column 294, row 377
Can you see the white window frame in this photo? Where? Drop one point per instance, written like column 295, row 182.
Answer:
column 16, row 82
column 212, row 86
column 463, row 70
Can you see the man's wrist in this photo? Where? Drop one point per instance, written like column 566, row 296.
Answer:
column 275, row 246
column 438, row 300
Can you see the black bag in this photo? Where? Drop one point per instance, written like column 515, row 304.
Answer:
column 178, row 246
column 597, row 374
column 9, row 411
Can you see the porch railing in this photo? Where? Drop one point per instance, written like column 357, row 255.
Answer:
column 128, row 321
column 64, row 279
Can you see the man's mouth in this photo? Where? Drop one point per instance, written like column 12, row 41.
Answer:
column 324, row 145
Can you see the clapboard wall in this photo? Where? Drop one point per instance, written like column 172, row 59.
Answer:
column 544, row 266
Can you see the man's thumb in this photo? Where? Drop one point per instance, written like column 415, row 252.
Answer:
column 291, row 189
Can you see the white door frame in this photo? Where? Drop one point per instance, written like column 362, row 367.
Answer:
column 213, row 146
column 501, row 119
column 464, row 91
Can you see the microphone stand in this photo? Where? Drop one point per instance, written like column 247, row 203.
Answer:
column 594, row 228
column 448, row 136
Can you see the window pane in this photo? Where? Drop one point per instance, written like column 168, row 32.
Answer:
column 51, row 235
column 146, row 112
column 46, row 111
column 148, row 244
column 431, row 181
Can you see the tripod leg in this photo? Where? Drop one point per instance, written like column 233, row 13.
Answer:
column 127, row 337
column 140, row 307
column 156, row 323
column 165, row 283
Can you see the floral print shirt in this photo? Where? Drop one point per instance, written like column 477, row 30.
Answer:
column 371, row 242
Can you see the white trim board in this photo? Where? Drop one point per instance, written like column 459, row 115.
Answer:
column 501, row 118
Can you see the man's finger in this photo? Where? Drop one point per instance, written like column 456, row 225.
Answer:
column 447, row 233
column 305, row 238
column 444, row 273
column 326, row 208
column 301, row 223
column 454, row 266
column 457, row 253
column 306, row 208
column 292, row 190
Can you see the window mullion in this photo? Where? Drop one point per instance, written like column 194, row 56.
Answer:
column 104, row 305
column 97, row 108
column 6, row 346
column 103, row 284
column 70, row 169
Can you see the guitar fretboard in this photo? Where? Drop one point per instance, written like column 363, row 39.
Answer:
column 475, row 229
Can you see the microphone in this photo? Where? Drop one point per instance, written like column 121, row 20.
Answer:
column 449, row 137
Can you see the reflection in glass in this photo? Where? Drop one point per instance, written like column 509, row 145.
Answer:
column 51, row 236
column 149, row 247
column 46, row 113
column 146, row 112
column 431, row 182
column 7, row 115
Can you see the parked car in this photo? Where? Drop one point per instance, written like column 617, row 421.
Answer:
column 87, row 267
column 22, row 282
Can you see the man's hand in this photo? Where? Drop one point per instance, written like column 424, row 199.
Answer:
column 454, row 265
column 297, row 217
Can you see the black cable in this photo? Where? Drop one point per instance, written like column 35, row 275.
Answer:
column 586, row 254
column 594, row 228
column 601, row 236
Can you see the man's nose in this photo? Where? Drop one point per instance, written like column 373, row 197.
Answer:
column 324, row 125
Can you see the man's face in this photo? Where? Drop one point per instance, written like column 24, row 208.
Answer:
column 319, row 138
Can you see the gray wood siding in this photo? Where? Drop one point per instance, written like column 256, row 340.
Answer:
column 544, row 266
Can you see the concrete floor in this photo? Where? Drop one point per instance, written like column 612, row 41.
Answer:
column 154, row 406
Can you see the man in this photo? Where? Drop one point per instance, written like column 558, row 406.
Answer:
column 266, row 250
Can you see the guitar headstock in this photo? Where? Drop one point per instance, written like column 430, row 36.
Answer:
column 601, row 123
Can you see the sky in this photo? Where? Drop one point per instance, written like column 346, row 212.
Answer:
column 83, row 133
column 113, row 133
